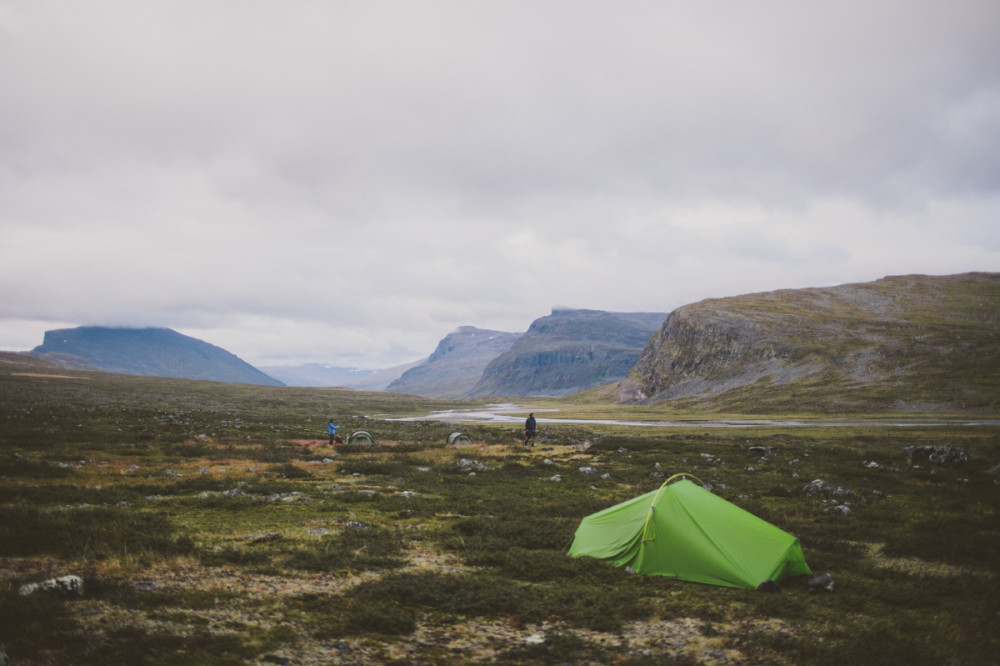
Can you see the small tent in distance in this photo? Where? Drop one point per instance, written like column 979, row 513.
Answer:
column 683, row 531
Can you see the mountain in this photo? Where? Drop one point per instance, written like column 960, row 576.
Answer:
column 568, row 351
column 156, row 352
column 456, row 364
column 911, row 343
column 315, row 374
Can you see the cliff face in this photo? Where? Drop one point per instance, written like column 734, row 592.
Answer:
column 907, row 342
column 456, row 364
column 568, row 351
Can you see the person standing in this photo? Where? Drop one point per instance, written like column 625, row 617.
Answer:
column 332, row 429
column 530, row 429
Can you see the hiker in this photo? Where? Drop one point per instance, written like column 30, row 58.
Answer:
column 529, row 430
column 332, row 429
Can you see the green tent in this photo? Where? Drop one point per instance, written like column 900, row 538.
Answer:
column 683, row 531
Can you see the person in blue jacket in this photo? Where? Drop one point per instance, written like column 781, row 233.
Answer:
column 332, row 429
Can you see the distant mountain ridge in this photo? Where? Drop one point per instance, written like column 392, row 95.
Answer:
column 154, row 352
column 903, row 343
column 320, row 375
column 456, row 365
column 568, row 351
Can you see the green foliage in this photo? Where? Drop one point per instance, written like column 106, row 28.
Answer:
column 364, row 548
column 97, row 533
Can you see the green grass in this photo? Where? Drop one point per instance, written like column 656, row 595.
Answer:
column 243, row 544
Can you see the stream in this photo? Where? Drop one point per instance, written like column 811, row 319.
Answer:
column 511, row 413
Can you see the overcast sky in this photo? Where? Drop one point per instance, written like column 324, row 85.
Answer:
column 348, row 182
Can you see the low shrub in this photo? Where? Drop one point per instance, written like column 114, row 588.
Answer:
column 91, row 532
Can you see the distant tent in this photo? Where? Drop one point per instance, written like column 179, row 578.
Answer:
column 360, row 437
column 683, row 531
column 458, row 438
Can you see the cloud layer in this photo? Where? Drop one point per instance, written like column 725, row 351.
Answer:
column 347, row 182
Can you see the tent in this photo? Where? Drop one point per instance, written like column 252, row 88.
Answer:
column 360, row 437
column 459, row 438
column 683, row 531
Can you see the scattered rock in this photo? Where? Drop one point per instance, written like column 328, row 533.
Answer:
column 555, row 478
column 820, row 583
column 941, row 455
column 842, row 509
column 820, row 486
column 318, row 530
column 587, row 469
column 870, row 464
column 605, row 476
column 467, row 465
column 65, row 585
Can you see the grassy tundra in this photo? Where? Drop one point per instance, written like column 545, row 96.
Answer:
column 212, row 525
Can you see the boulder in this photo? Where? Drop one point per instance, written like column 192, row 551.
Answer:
column 941, row 455
column 65, row 585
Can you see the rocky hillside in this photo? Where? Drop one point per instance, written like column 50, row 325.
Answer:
column 155, row 352
column 456, row 365
column 568, row 351
column 911, row 343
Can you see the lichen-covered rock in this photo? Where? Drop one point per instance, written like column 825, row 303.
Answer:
column 65, row 585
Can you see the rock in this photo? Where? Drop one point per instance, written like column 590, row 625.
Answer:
column 605, row 476
column 842, row 509
column 870, row 464
column 65, row 585
column 555, row 478
column 318, row 530
column 762, row 450
column 820, row 486
column 941, row 455
column 467, row 465
column 587, row 469
column 768, row 586
column 820, row 583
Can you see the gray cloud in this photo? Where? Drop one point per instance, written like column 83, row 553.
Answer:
column 347, row 182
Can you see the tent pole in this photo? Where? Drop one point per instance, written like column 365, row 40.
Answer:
column 652, row 512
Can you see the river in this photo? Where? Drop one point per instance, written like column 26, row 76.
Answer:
column 511, row 413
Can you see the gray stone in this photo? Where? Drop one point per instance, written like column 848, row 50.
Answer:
column 65, row 585
column 820, row 583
